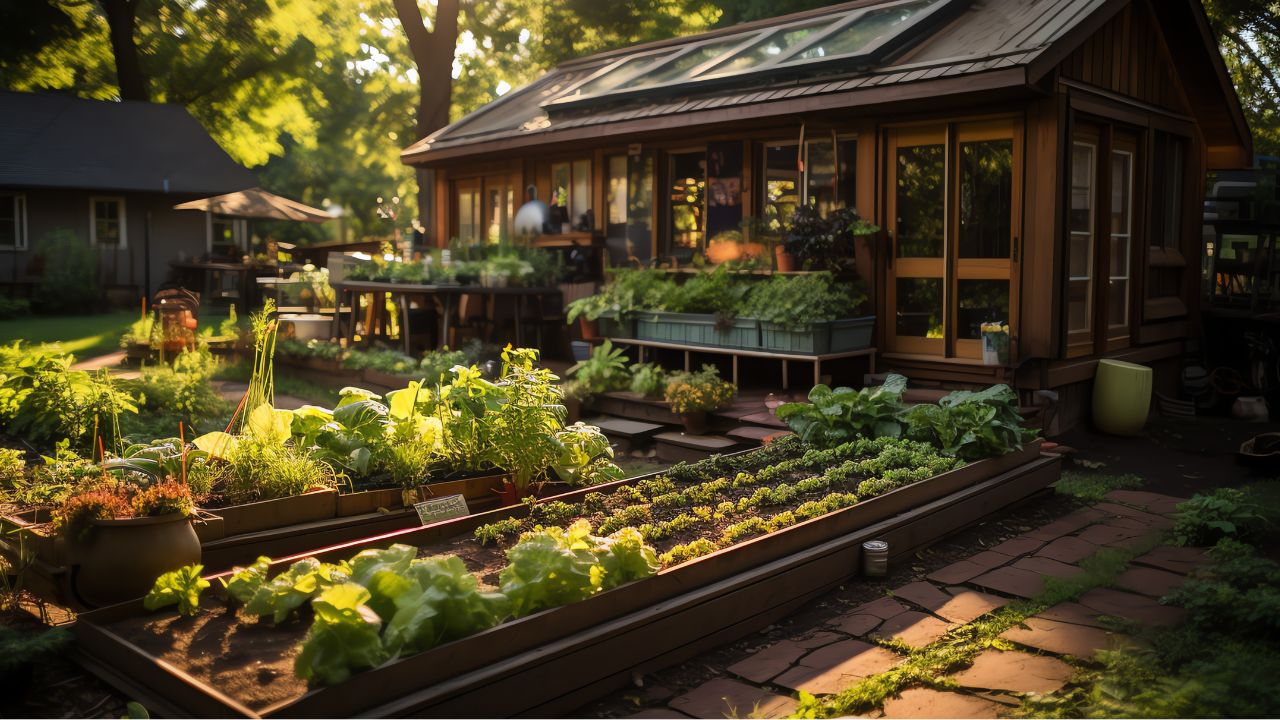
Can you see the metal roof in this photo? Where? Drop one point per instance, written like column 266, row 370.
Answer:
column 55, row 140
column 986, row 44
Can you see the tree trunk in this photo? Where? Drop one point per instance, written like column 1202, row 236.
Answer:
column 433, row 55
column 122, row 21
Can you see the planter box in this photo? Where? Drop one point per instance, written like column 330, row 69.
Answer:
column 831, row 336
column 609, row 325
column 270, row 514
column 308, row 362
column 697, row 329
column 369, row 501
column 552, row 662
column 28, row 531
column 484, row 487
column 384, row 379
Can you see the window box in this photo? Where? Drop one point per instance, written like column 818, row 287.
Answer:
column 611, row 325
column 820, row 338
column 698, row 329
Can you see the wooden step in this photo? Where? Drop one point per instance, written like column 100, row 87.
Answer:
column 678, row 446
column 626, row 429
column 751, row 434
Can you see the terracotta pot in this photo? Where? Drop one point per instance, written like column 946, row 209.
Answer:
column 589, row 329
column 121, row 559
column 695, row 423
column 786, row 261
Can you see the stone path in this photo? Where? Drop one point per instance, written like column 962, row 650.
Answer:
column 874, row 637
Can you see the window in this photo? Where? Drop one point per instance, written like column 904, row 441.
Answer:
column 640, row 189
column 827, row 180
column 469, row 212
column 1080, row 255
column 1165, row 260
column 499, row 210
column 570, row 193
column 616, row 196
column 952, row 207
column 687, row 176
column 13, row 221
column 1121, row 239
column 107, row 222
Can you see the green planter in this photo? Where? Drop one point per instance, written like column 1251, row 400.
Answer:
column 697, row 329
column 611, row 326
column 820, row 338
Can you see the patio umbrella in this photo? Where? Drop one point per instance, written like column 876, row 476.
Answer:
column 257, row 203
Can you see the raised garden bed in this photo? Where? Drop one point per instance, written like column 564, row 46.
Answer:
column 239, row 533
column 820, row 338
column 698, row 329
column 553, row 661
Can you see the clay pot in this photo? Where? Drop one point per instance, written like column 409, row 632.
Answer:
column 786, row 261
column 121, row 559
column 590, row 330
column 695, row 423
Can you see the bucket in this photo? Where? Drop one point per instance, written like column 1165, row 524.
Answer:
column 1121, row 397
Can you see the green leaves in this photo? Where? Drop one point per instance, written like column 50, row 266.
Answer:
column 832, row 417
column 290, row 589
column 970, row 425
column 553, row 566
column 344, row 638
column 181, row 587
column 269, row 425
column 444, row 605
column 245, row 582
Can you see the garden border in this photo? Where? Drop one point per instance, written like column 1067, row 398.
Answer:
column 560, row 658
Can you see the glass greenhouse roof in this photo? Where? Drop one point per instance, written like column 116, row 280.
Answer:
column 848, row 39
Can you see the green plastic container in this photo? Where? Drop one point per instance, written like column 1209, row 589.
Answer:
column 697, row 329
column 821, row 337
column 1121, row 397
column 611, row 326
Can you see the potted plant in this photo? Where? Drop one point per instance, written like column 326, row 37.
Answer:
column 817, row 242
column 813, row 313
column 125, row 535
column 693, row 394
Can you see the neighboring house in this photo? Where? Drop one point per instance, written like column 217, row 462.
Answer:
column 110, row 172
column 1039, row 162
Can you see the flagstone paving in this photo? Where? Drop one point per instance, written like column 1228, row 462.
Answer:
column 854, row 643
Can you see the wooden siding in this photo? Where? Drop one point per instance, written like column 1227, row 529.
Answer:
column 1128, row 56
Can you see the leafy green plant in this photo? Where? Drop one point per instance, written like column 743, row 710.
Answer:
column 818, row 241
column 344, row 637
column 648, row 379
column 288, row 591
column 720, row 292
column 832, row 417
column 604, row 371
column 970, row 425
column 1224, row 513
column 628, row 291
column 244, row 582
column 181, row 587
column 1094, row 486
column 442, row 603
column 795, row 302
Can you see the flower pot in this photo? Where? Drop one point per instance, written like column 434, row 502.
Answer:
column 785, row 260
column 121, row 559
column 588, row 328
column 695, row 423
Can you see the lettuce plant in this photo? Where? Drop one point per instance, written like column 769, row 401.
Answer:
column 245, row 581
column 287, row 591
column 832, row 417
column 970, row 425
column 181, row 587
column 344, row 638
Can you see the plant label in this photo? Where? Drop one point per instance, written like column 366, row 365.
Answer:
column 442, row 508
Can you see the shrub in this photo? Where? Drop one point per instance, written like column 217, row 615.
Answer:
column 648, row 379
column 700, row 391
column 164, row 498
column 1224, row 513
column 69, row 283
column 11, row 308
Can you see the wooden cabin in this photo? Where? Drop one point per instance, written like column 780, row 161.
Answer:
column 1040, row 162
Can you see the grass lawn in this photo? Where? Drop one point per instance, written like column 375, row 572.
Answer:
column 85, row 336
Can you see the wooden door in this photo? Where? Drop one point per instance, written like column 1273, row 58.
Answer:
column 916, row 213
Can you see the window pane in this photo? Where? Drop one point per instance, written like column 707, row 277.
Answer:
column 847, row 182
column 561, row 179
column 920, row 201
column 1118, row 303
column 980, row 301
column 9, row 221
column 618, row 75
column 688, row 189
column 581, row 201
column 1172, row 200
column 497, row 211
column 1121, row 186
column 640, row 206
column 1078, row 306
column 469, row 216
column 820, row 175
column 679, row 67
column 986, row 198
column 1081, row 261
column 781, row 184
column 866, row 32
column 1081, row 219
column 617, row 192
column 919, row 307
column 768, row 48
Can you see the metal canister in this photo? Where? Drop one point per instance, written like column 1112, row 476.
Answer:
column 875, row 558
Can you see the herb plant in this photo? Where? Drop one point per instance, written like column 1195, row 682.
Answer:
column 795, row 302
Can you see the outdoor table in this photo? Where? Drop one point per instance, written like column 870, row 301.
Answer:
column 446, row 299
column 247, row 273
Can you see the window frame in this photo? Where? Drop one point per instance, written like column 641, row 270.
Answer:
column 1080, row 342
column 20, row 241
column 122, row 218
column 666, row 182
